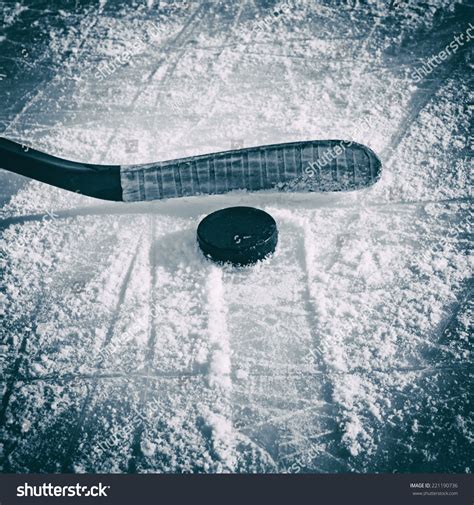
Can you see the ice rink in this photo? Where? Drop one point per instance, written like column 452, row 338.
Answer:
column 123, row 350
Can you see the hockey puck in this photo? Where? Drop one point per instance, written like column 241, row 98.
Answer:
column 237, row 235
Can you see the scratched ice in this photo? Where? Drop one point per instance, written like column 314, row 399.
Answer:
column 123, row 350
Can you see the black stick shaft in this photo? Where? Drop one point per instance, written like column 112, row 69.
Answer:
column 98, row 181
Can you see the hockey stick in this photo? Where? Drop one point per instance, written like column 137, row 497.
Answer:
column 322, row 165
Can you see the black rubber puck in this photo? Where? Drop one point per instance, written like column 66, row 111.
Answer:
column 237, row 235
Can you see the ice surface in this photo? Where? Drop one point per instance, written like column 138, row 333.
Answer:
column 123, row 349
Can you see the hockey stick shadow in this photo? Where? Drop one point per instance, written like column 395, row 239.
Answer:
column 192, row 206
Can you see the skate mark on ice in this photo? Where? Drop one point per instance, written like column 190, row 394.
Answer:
column 418, row 102
column 230, row 31
column 459, row 307
column 38, row 91
column 137, row 435
column 172, row 209
column 267, row 362
column 328, row 372
column 180, row 39
column 158, row 376
column 180, row 46
column 75, row 435
column 246, row 440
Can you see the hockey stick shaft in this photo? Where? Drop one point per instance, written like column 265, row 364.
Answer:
column 99, row 181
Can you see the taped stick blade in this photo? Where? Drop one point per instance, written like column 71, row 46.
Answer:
column 325, row 165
